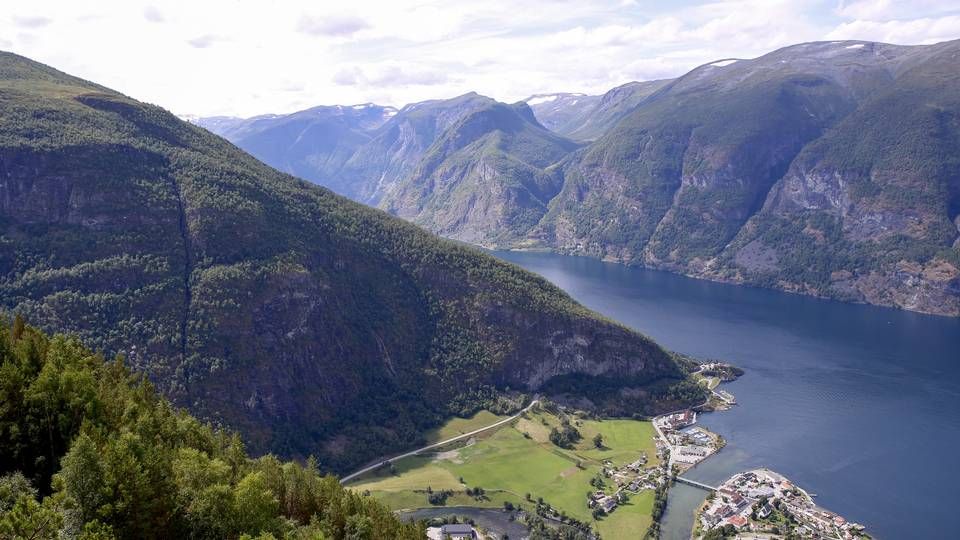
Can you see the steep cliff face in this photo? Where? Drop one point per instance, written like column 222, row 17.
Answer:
column 874, row 202
column 312, row 324
column 822, row 168
column 486, row 179
column 819, row 164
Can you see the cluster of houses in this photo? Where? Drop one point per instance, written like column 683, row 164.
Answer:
column 748, row 499
column 678, row 420
column 633, row 477
column 607, row 503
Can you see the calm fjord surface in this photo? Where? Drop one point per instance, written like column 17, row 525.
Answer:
column 856, row 403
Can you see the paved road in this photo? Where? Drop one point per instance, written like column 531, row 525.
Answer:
column 353, row 475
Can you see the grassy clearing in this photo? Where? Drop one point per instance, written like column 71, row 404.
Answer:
column 518, row 459
column 629, row 521
column 623, row 441
column 459, row 426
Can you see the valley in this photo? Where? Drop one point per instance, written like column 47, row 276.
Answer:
column 517, row 466
column 827, row 169
column 320, row 271
column 311, row 324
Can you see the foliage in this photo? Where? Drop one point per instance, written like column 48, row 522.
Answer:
column 565, row 436
column 111, row 459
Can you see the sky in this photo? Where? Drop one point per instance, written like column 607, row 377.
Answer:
column 246, row 57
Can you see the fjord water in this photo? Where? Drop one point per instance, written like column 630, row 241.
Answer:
column 858, row 404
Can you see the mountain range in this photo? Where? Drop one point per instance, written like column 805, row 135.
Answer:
column 310, row 323
column 830, row 169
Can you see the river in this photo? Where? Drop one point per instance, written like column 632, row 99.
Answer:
column 857, row 404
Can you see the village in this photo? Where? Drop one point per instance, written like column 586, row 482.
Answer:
column 680, row 446
column 685, row 444
column 631, row 478
column 763, row 501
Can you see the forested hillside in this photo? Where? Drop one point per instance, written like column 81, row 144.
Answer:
column 311, row 324
column 89, row 450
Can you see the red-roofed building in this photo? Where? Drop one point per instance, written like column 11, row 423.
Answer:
column 737, row 521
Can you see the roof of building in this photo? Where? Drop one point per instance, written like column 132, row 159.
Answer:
column 457, row 528
column 737, row 521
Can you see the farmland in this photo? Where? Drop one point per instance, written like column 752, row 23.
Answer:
column 519, row 464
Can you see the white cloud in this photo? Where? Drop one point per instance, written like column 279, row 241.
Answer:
column 246, row 58
column 337, row 25
column 885, row 10
column 905, row 32
column 204, row 41
column 152, row 14
column 28, row 21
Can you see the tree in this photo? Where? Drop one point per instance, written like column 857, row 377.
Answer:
column 598, row 440
column 210, row 513
column 12, row 487
column 255, row 506
column 358, row 528
column 95, row 530
column 29, row 519
column 18, row 326
column 81, row 477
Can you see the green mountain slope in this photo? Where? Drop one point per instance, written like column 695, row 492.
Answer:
column 732, row 150
column 485, row 180
column 872, row 208
column 310, row 323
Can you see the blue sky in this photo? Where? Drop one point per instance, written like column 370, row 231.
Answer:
column 239, row 57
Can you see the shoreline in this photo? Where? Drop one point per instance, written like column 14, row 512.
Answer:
column 759, row 500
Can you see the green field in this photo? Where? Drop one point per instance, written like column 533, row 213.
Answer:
column 459, row 426
column 509, row 464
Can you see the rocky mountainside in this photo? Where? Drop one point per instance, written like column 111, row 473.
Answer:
column 561, row 112
column 359, row 151
column 585, row 118
column 312, row 324
column 484, row 178
column 824, row 168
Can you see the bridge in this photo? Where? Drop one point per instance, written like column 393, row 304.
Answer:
column 694, row 483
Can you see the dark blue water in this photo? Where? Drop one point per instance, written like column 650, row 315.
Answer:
column 857, row 404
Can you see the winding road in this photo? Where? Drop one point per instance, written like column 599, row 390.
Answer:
column 378, row 464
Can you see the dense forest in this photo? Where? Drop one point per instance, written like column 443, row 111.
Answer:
column 89, row 450
column 308, row 323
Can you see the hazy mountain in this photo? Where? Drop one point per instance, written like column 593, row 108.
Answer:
column 584, row 118
column 824, row 168
column 309, row 322
column 484, row 178
column 397, row 147
column 561, row 112
column 313, row 144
